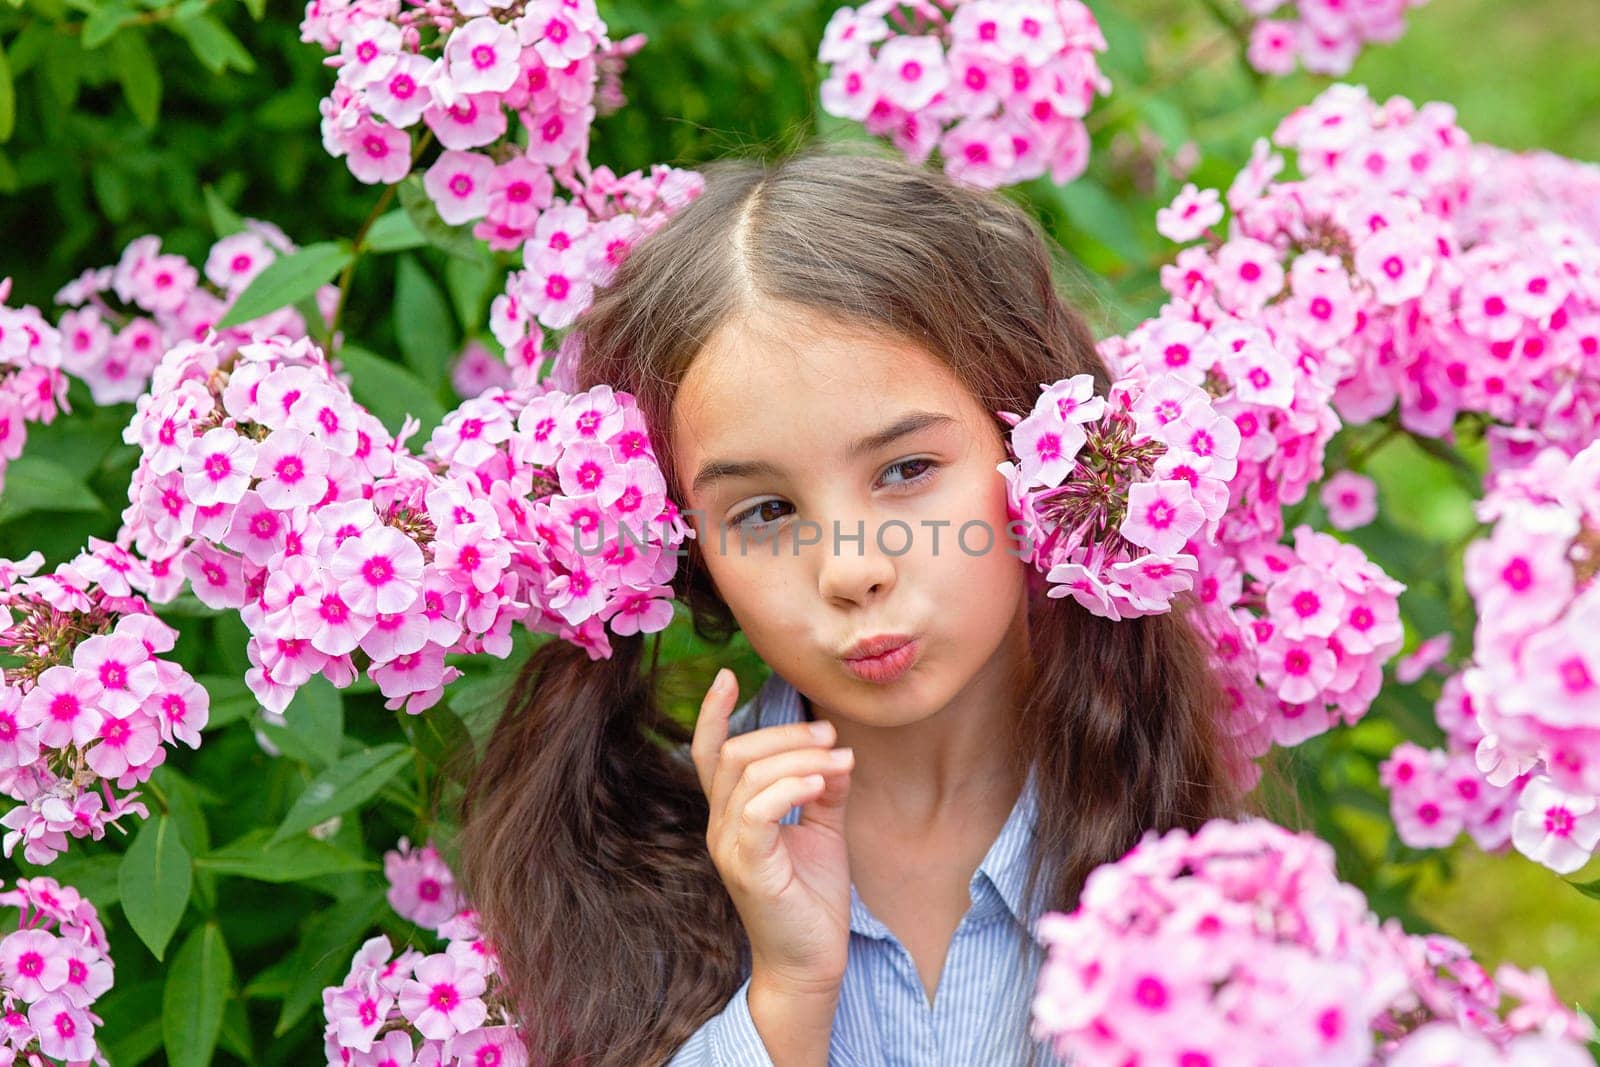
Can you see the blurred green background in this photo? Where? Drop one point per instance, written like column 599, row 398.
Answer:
column 124, row 112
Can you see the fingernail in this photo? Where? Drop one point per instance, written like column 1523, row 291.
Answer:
column 720, row 684
column 840, row 756
column 820, row 730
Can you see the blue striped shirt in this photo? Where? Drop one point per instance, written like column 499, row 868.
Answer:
column 981, row 1007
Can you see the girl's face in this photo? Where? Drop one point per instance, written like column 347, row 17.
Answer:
column 843, row 486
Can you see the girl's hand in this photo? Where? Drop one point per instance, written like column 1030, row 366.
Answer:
column 790, row 884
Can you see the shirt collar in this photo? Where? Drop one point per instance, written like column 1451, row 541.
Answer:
column 1004, row 867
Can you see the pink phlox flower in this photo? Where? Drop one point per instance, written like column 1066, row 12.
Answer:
column 122, row 666
column 292, row 468
column 179, row 705
column 1191, row 213
column 216, row 577
column 444, row 999
column 421, row 886
column 1161, row 516
column 378, row 571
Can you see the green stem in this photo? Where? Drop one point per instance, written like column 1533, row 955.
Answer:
column 161, row 797
column 424, row 797
column 1235, row 26
column 358, row 244
column 1358, row 458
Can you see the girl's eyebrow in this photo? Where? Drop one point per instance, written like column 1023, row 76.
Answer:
column 718, row 469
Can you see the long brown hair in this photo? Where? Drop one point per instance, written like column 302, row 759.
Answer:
column 583, row 841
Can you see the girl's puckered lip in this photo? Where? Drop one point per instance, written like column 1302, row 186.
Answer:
column 875, row 646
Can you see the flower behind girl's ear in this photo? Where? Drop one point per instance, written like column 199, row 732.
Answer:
column 1112, row 492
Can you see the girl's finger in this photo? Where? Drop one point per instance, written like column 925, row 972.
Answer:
column 740, row 753
column 711, row 727
column 763, row 773
column 758, row 824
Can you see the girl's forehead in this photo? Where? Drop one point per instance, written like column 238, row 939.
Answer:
column 763, row 370
column 761, row 394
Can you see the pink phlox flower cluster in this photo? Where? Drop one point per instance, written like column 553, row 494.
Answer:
column 460, row 69
column 1262, row 377
column 559, row 499
column 1399, row 273
column 87, row 702
column 123, row 318
column 999, row 87
column 440, row 1009
column 421, row 885
column 1435, row 794
column 573, row 247
column 32, row 385
column 1409, row 268
column 1534, row 680
column 53, row 967
column 269, row 490
column 1239, row 945
column 1300, row 633
column 1112, row 491
column 1323, row 36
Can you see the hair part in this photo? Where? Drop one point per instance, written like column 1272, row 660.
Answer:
column 583, row 837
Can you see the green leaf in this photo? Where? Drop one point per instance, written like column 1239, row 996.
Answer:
column 352, row 781
column 104, row 22
column 214, row 44
column 257, row 8
column 188, row 606
column 1091, row 209
column 224, row 220
column 31, row 44
column 198, row 987
column 468, row 283
column 33, row 483
column 231, row 699
column 111, row 189
column 422, row 323
column 328, row 940
column 390, row 391
column 394, row 232
column 183, row 804
column 234, row 1036
column 295, row 860
column 456, row 240
column 1588, row 889
column 63, row 70
column 316, row 717
column 8, row 99
column 137, row 73
column 154, row 882
column 443, row 739
column 288, row 279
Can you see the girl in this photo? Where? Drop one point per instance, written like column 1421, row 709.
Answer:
column 819, row 347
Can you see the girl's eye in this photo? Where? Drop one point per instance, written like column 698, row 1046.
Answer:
column 738, row 520
column 926, row 469
column 923, row 467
